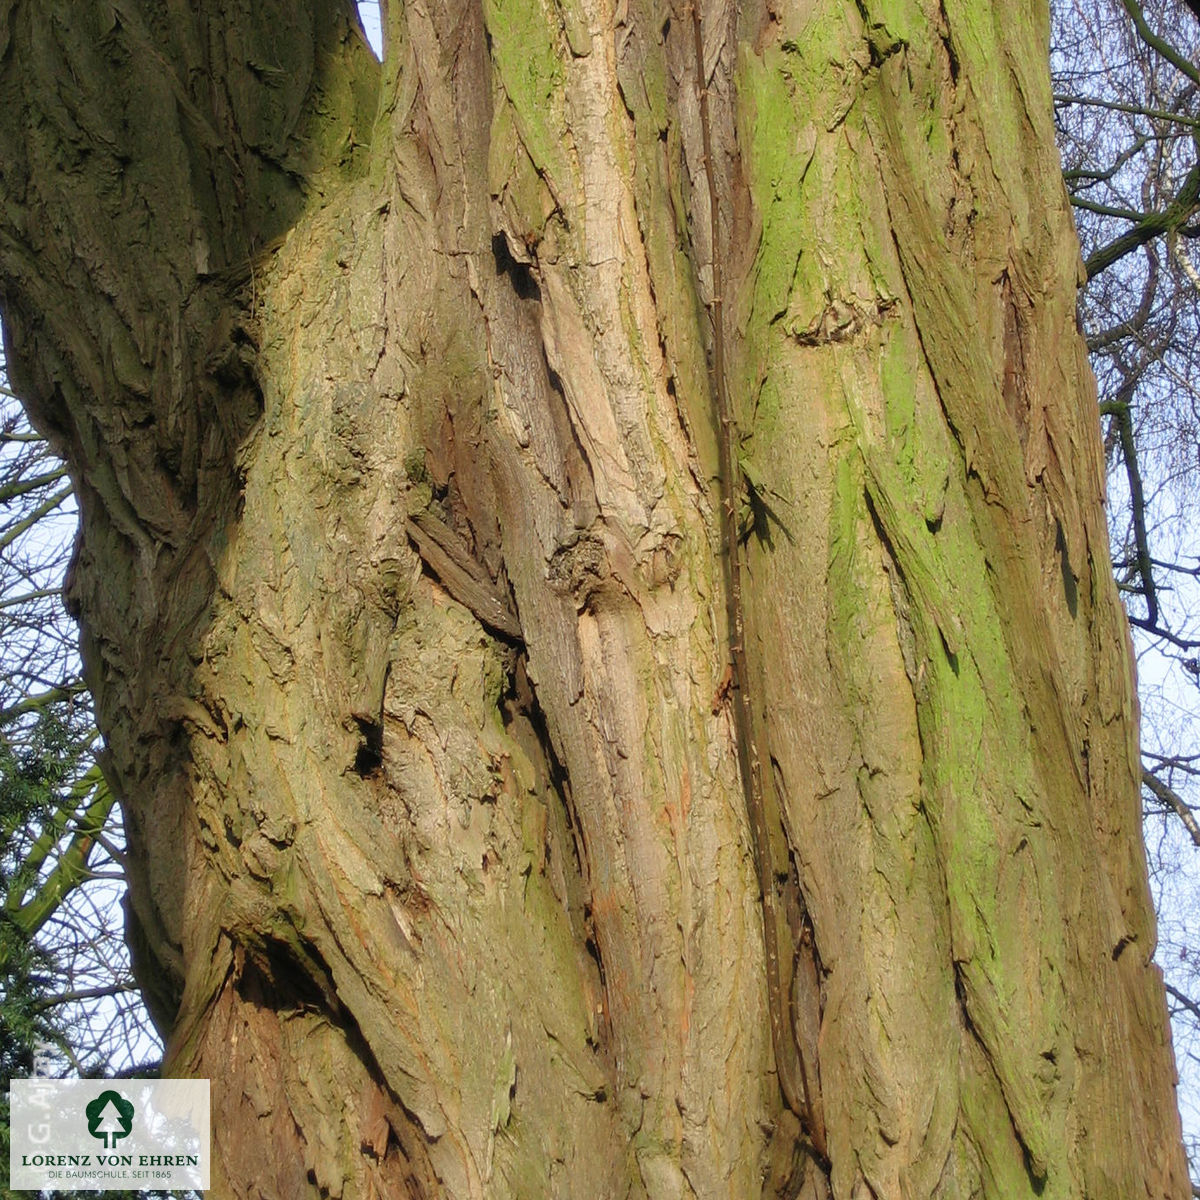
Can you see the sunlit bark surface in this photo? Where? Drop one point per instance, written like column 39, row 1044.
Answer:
column 389, row 395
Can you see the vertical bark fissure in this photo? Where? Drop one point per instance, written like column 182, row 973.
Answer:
column 795, row 1079
column 520, row 956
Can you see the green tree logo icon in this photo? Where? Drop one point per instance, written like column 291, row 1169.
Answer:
column 109, row 1116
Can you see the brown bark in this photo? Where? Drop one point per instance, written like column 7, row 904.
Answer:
column 392, row 399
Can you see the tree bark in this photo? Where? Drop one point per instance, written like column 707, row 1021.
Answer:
column 594, row 579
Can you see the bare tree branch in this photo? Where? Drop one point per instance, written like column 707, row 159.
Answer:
column 1173, row 801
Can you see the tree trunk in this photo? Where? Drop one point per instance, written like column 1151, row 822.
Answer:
column 595, row 583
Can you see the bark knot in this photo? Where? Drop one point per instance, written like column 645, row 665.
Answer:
column 580, row 569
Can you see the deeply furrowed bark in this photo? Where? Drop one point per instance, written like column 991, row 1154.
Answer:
column 389, row 397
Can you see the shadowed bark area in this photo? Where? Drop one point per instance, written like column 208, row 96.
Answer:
column 392, row 397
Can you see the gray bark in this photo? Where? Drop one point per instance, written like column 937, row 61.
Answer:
column 389, row 394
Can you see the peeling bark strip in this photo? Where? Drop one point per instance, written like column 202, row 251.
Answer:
column 797, row 1079
column 406, row 605
column 465, row 579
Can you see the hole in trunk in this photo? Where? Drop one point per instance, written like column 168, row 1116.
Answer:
column 519, row 274
column 369, row 757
